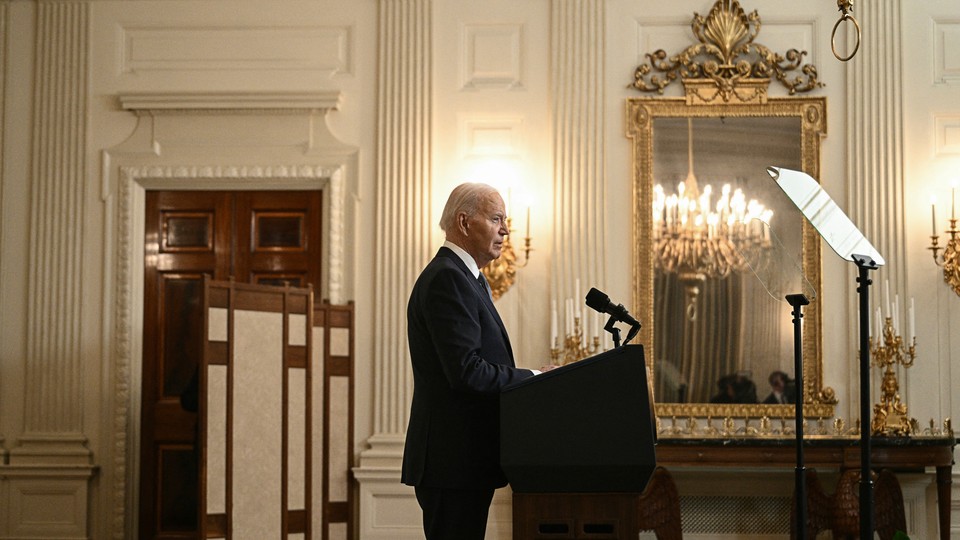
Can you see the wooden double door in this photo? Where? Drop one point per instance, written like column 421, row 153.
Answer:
column 265, row 237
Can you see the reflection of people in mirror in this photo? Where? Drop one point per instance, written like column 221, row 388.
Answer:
column 735, row 388
column 783, row 389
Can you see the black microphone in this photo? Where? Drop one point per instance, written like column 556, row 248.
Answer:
column 601, row 302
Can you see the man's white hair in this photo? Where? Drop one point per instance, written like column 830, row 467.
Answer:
column 466, row 198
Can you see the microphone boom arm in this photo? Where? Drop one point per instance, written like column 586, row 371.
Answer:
column 609, row 327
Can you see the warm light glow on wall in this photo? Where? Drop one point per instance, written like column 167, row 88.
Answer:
column 502, row 173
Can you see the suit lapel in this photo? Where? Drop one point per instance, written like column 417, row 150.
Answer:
column 484, row 296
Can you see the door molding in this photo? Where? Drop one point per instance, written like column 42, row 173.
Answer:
column 217, row 141
column 133, row 185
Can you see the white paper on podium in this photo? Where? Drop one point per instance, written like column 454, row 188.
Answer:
column 826, row 217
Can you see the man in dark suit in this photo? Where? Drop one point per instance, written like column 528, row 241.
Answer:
column 461, row 360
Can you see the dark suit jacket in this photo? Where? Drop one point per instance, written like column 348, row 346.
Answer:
column 461, row 359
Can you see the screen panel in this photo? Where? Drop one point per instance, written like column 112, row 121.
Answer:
column 256, row 411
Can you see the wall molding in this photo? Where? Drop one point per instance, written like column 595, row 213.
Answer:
column 128, row 307
column 160, row 49
column 946, row 51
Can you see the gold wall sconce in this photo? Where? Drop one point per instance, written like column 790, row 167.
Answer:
column 501, row 273
column 949, row 260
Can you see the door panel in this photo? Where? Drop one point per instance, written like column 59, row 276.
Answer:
column 280, row 233
column 261, row 237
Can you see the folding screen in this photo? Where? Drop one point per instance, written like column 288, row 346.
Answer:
column 255, row 412
column 332, row 370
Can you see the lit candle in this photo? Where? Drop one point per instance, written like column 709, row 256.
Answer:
column 953, row 199
column 886, row 296
column 584, row 326
column 553, row 323
column 528, row 222
column 911, row 322
column 933, row 213
column 896, row 314
column 879, row 326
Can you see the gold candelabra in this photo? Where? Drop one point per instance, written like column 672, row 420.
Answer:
column 890, row 415
column 574, row 347
column 502, row 272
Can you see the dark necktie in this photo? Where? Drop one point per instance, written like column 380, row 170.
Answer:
column 486, row 287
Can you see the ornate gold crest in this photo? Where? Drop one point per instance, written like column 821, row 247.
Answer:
column 727, row 63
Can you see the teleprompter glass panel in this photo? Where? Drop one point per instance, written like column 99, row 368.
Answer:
column 278, row 230
column 187, row 231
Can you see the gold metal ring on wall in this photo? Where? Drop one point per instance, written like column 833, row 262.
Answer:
column 846, row 7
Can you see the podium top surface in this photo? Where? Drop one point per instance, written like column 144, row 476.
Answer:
column 636, row 349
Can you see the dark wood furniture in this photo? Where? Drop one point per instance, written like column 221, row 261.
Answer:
column 840, row 513
column 899, row 454
column 611, row 516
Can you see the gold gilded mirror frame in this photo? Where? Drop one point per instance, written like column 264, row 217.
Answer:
column 726, row 75
column 641, row 113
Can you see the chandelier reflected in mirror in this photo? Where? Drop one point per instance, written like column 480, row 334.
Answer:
column 699, row 239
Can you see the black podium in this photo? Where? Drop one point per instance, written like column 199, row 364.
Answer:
column 577, row 445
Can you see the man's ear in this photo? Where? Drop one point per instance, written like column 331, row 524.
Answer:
column 463, row 223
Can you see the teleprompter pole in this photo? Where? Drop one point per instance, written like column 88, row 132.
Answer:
column 800, row 481
column 865, row 264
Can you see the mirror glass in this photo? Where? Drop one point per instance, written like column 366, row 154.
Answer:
column 720, row 342
column 732, row 330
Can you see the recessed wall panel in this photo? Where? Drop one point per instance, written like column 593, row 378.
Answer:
column 492, row 56
column 185, row 48
column 946, row 54
column 947, row 135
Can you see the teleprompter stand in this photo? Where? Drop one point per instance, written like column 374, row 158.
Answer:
column 577, row 445
column 849, row 243
column 800, row 480
column 864, row 265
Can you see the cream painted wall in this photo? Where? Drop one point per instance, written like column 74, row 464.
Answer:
column 491, row 97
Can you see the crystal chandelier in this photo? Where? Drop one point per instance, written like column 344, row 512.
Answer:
column 697, row 238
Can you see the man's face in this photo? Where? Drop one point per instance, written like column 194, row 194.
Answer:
column 485, row 230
